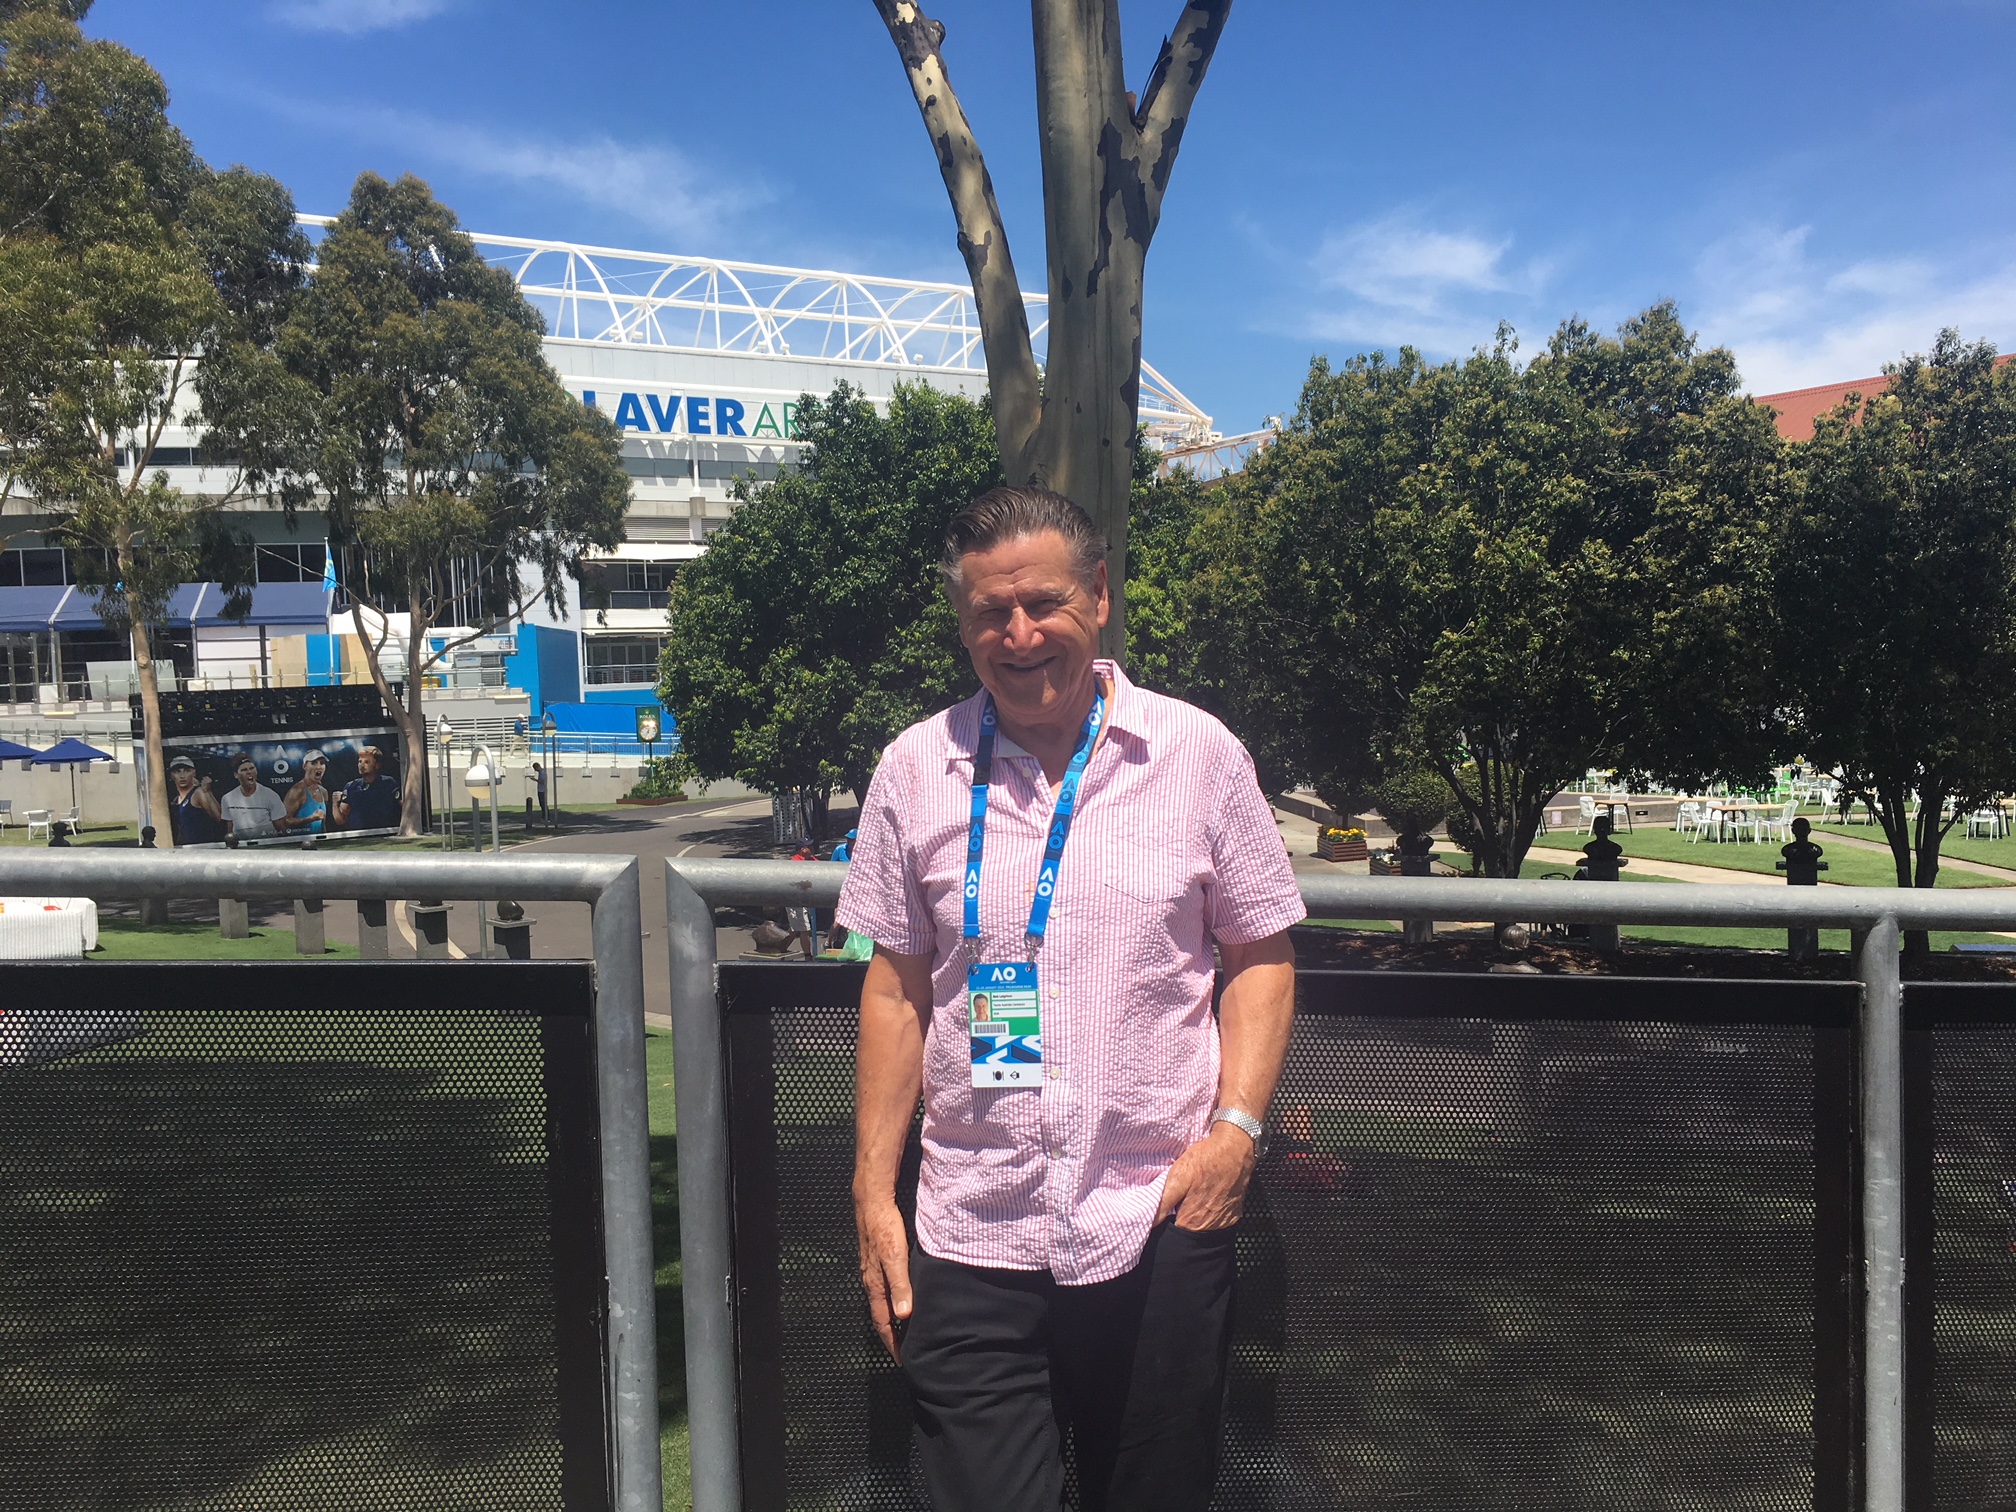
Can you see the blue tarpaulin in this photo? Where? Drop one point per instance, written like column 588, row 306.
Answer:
column 73, row 608
column 29, row 609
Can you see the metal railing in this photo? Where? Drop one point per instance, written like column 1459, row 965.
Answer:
column 608, row 885
column 1876, row 918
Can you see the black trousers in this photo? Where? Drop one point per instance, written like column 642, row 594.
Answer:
column 1003, row 1363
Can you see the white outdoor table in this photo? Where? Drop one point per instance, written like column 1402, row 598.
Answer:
column 47, row 929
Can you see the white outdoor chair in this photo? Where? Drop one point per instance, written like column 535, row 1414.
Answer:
column 37, row 819
column 71, row 818
column 1687, row 818
column 1986, row 823
column 6, row 813
column 1588, row 818
column 1780, row 827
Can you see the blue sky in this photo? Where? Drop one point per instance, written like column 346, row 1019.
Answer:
column 1820, row 187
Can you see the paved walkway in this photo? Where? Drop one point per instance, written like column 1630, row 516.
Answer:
column 1978, row 868
column 1679, row 871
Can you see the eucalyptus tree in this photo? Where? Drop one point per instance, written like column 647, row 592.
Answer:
column 123, row 259
column 411, row 400
column 1107, row 157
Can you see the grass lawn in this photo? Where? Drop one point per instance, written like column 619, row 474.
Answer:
column 125, row 940
column 1992, row 852
column 674, row 1440
column 92, row 833
column 1846, row 865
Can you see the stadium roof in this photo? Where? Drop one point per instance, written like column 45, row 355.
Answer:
column 656, row 300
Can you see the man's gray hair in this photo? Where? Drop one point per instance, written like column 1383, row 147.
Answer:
column 1011, row 512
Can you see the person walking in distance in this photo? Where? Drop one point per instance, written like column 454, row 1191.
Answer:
column 539, row 788
column 1045, row 870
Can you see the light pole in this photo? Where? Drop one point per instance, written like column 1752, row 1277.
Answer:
column 443, row 733
column 548, row 727
column 481, row 780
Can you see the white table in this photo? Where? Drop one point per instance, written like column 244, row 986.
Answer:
column 47, row 929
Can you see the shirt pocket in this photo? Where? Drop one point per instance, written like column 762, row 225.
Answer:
column 1152, row 875
column 1157, row 906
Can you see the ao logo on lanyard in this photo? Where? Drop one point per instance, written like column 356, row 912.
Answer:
column 1004, row 1013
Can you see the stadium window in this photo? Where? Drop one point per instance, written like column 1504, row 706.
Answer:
column 623, row 659
column 291, row 564
column 34, row 567
column 627, row 585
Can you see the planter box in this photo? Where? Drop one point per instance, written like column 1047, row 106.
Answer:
column 1342, row 850
column 650, row 802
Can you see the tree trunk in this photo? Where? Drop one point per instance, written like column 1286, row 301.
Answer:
column 413, row 792
column 158, row 812
column 1106, row 165
column 412, row 735
column 1892, row 799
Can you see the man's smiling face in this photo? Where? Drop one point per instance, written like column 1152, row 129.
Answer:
column 1031, row 624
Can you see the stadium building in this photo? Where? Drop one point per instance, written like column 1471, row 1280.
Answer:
column 701, row 363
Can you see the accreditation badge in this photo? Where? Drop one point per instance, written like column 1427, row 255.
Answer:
column 1005, row 1024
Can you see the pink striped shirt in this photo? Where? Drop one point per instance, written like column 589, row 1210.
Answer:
column 1173, row 846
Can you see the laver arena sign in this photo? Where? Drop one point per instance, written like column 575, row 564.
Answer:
column 693, row 415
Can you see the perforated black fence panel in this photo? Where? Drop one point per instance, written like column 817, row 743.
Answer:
column 1516, row 1242
column 1960, row 1253
column 301, row 1237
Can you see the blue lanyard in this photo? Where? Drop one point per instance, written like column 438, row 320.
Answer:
column 1060, row 821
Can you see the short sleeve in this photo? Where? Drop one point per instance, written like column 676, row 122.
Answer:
column 881, row 897
column 1253, row 892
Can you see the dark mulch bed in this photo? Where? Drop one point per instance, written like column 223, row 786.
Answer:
column 1367, row 950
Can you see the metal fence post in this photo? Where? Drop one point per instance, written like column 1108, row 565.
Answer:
column 626, row 1186
column 1882, row 1217
column 700, row 1084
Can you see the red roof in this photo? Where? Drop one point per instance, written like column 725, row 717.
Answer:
column 1799, row 408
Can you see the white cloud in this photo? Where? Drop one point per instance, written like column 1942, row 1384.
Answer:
column 355, row 17
column 659, row 187
column 1795, row 321
column 1403, row 280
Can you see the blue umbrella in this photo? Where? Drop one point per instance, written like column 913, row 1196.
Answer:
column 73, row 753
column 13, row 750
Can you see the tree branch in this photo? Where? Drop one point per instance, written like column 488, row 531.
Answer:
column 1014, row 389
column 1164, row 111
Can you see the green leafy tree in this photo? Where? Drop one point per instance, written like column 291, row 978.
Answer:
column 408, row 391
column 122, row 258
column 1471, row 565
column 1897, row 589
column 815, row 629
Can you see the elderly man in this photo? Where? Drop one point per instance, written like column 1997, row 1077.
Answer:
column 1044, row 870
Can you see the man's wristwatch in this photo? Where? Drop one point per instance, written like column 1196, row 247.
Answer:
column 1245, row 1123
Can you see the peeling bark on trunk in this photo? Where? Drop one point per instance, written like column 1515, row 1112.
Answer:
column 159, row 815
column 1106, row 165
column 406, row 715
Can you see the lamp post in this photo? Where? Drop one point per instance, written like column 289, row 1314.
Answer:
column 548, row 727
column 481, row 780
column 443, row 733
